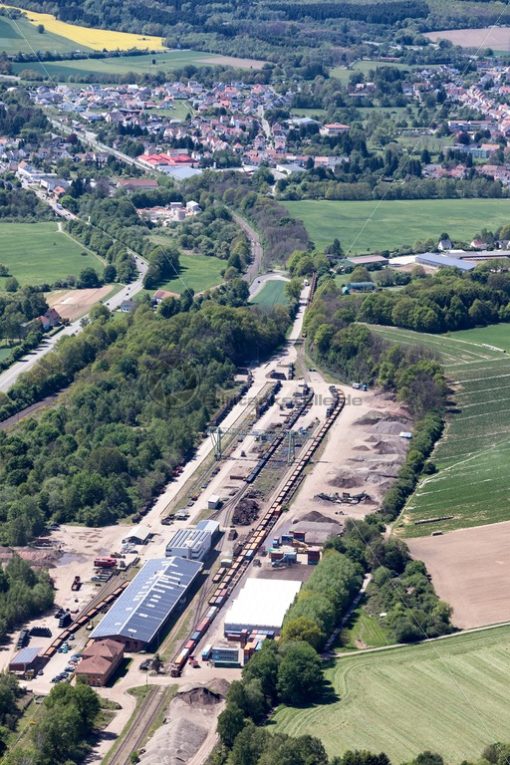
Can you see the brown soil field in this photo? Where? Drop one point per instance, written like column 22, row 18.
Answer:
column 497, row 38
column 72, row 304
column 470, row 570
column 248, row 63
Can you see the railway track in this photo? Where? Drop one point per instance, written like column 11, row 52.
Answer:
column 226, row 580
column 139, row 726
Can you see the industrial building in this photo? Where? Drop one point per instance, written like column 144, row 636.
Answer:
column 260, row 607
column 100, row 660
column 189, row 543
column 139, row 617
column 194, row 542
column 441, row 261
column 26, row 660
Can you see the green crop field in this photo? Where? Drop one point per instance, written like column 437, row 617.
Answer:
column 386, row 225
column 473, row 481
column 20, row 36
column 142, row 64
column 37, row 253
column 272, row 293
column 447, row 696
column 197, row 272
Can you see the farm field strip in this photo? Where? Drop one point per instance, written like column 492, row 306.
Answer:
column 473, row 454
column 447, row 696
column 166, row 62
column 376, row 225
column 20, row 36
column 90, row 37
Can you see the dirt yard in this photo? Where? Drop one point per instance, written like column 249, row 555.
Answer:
column 470, row 569
column 189, row 732
column 249, row 63
column 363, row 453
column 72, row 304
column 487, row 37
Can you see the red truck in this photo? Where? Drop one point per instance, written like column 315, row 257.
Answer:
column 105, row 563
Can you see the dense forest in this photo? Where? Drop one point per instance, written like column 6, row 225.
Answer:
column 24, row 593
column 131, row 416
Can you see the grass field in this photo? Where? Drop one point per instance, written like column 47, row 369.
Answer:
column 473, row 481
column 36, row 253
column 142, row 64
column 385, row 225
column 178, row 111
column 363, row 631
column 97, row 39
column 272, row 293
column 20, row 36
column 343, row 74
column 198, row 272
column 449, row 696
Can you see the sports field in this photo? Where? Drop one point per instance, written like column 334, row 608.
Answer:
column 272, row 293
column 36, row 253
column 142, row 64
column 386, row 225
column 197, row 272
column 20, row 36
column 89, row 37
column 473, row 481
column 448, row 696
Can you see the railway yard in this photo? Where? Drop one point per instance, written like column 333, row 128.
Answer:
column 252, row 477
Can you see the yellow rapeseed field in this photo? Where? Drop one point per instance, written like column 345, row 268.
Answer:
column 97, row 39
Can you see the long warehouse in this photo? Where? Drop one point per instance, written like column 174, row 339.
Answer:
column 139, row 617
column 261, row 605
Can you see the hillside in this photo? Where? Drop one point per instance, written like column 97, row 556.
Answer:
column 269, row 29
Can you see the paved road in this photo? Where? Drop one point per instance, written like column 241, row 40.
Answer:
column 258, row 284
column 90, row 138
column 10, row 376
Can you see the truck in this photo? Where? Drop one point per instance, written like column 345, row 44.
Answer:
column 64, row 620
column 105, row 562
column 76, row 584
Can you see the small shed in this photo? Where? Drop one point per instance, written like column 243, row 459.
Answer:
column 140, row 535
column 213, row 502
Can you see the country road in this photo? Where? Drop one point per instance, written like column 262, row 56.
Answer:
column 30, row 359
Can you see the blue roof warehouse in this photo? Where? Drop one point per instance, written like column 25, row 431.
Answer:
column 138, row 618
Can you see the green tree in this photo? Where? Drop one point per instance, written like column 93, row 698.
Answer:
column 11, row 284
column 230, row 723
column 300, row 678
column 88, row 279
